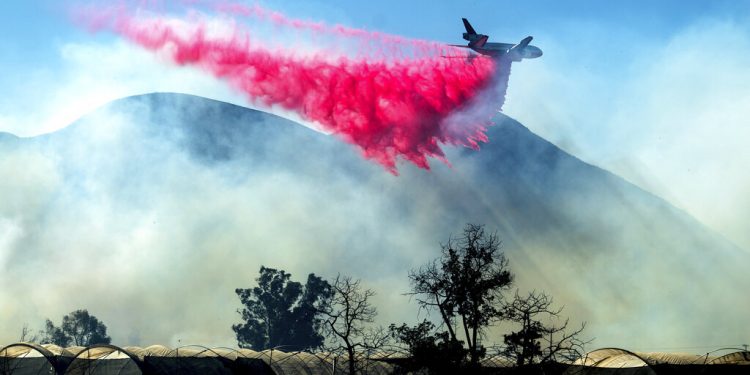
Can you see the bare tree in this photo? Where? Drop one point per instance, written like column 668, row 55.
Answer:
column 349, row 315
column 465, row 285
column 27, row 335
column 537, row 342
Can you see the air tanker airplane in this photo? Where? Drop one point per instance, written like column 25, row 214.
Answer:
column 515, row 52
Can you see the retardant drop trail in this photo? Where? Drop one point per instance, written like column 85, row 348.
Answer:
column 389, row 107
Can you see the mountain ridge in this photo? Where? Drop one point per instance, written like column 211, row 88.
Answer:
column 155, row 99
column 213, row 175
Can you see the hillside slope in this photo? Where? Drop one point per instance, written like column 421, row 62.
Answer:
column 165, row 195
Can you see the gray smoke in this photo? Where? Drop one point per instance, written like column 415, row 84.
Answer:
column 152, row 210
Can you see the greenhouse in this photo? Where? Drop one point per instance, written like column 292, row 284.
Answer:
column 621, row 361
column 34, row 359
column 103, row 359
column 26, row 358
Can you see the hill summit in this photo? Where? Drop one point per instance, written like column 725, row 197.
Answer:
column 171, row 197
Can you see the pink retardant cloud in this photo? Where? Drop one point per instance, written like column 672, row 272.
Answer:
column 390, row 108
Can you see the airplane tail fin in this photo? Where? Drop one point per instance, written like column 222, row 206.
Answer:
column 478, row 42
column 475, row 40
column 469, row 29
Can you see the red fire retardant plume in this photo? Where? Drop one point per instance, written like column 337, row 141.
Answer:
column 388, row 108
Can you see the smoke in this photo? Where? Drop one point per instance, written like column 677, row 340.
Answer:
column 181, row 199
column 390, row 105
column 147, row 210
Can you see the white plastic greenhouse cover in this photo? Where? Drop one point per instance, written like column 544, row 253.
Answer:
column 736, row 358
column 33, row 359
column 26, row 359
column 132, row 360
column 103, row 359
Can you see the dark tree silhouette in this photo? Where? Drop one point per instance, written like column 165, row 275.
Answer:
column 54, row 335
column 465, row 286
column 78, row 328
column 535, row 341
column 429, row 351
column 348, row 318
column 280, row 312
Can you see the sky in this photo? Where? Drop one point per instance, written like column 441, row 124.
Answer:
column 656, row 92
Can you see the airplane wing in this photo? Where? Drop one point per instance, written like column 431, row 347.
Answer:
column 517, row 50
column 468, row 57
column 525, row 42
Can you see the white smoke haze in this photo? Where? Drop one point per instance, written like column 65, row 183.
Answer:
column 143, row 227
column 151, row 223
column 675, row 122
column 697, row 102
